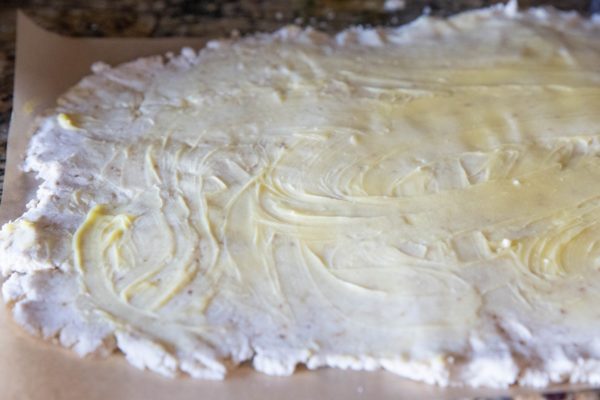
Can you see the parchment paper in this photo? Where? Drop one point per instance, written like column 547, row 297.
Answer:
column 46, row 65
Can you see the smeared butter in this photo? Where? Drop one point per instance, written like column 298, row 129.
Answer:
column 424, row 200
column 66, row 121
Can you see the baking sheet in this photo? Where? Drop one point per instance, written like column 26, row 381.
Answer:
column 46, row 65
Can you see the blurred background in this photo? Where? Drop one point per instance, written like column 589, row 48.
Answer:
column 211, row 17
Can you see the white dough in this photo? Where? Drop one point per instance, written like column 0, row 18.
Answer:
column 422, row 199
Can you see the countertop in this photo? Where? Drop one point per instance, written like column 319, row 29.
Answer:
column 159, row 18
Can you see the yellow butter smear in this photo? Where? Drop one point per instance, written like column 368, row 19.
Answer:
column 104, row 229
column 67, row 121
column 377, row 199
column 102, row 243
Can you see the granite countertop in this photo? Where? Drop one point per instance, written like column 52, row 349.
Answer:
column 214, row 18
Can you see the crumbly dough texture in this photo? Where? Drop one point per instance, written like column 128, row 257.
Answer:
column 422, row 199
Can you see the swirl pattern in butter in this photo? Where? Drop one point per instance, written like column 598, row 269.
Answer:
column 423, row 199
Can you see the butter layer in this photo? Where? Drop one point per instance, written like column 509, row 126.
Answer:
column 422, row 199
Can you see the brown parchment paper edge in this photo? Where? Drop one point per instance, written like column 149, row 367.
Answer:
column 46, row 65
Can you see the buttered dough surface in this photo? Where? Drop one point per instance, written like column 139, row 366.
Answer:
column 424, row 200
